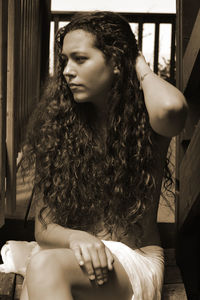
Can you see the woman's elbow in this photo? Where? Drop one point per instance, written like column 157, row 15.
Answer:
column 176, row 106
column 172, row 120
column 176, row 113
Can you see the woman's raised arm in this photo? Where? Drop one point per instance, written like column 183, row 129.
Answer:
column 166, row 105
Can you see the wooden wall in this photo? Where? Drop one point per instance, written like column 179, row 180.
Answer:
column 188, row 80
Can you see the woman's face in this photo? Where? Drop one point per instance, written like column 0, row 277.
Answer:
column 86, row 71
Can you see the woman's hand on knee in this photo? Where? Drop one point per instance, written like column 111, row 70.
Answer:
column 92, row 255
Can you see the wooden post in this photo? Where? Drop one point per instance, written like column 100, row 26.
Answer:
column 12, row 100
column 3, row 84
column 45, row 8
column 156, row 47
column 179, row 74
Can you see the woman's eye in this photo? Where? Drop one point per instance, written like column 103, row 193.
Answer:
column 81, row 59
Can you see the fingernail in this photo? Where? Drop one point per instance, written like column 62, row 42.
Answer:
column 92, row 277
column 81, row 263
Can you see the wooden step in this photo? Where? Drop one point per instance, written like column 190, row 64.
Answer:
column 7, row 286
column 173, row 289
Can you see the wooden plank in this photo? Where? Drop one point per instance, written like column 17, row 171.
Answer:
column 7, row 283
column 191, row 53
column 172, row 55
column 179, row 47
column 18, row 287
column 12, row 100
column 140, row 35
column 172, row 271
column 189, row 177
column 45, row 16
column 189, row 14
column 3, row 85
column 172, row 275
column 170, row 259
column 167, row 233
column 174, row 292
column 130, row 17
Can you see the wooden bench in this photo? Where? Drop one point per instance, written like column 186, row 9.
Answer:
column 173, row 289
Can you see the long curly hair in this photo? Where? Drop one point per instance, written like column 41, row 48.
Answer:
column 82, row 179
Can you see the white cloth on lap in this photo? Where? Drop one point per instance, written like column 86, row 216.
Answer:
column 144, row 266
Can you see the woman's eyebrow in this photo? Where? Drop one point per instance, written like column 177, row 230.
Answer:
column 74, row 53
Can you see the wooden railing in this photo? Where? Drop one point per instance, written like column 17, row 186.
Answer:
column 140, row 19
column 22, row 64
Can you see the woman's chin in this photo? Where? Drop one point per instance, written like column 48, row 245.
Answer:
column 80, row 99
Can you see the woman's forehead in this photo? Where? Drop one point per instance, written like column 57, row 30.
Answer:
column 78, row 39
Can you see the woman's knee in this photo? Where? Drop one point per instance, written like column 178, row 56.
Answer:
column 54, row 264
column 43, row 266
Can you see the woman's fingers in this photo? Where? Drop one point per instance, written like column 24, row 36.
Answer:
column 103, row 261
column 88, row 263
column 99, row 262
column 110, row 259
column 96, row 259
column 78, row 255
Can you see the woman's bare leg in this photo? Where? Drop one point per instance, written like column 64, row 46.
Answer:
column 55, row 274
column 24, row 292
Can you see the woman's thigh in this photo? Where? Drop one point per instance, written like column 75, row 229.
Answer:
column 118, row 286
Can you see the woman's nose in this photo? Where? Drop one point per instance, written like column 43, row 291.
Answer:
column 69, row 70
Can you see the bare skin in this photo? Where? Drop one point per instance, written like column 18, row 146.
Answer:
column 76, row 264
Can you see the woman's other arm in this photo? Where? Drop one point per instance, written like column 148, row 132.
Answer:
column 50, row 235
column 166, row 105
column 89, row 251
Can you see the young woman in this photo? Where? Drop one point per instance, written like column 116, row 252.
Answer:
column 99, row 141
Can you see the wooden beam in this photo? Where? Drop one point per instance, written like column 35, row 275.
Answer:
column 45, row 15
column 191, row 53
column 3, row 85
column 130, row 17
column 189, row 177
column 12, row 100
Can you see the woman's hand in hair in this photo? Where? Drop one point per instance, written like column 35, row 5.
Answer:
column 92, row 255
